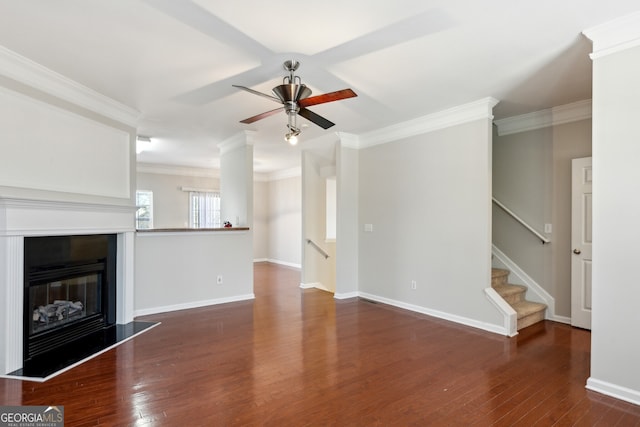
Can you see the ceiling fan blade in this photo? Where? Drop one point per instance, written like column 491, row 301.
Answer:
column 315, row 118
column 327, row 97
column 261, row 116
column 255, row 92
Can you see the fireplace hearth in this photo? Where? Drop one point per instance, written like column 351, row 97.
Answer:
column 69, row 295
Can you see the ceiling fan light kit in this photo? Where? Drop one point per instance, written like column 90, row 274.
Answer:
column 295, row 97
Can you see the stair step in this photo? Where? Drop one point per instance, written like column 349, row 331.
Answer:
column 499, row 276
column 529, row 313
column 512, row 294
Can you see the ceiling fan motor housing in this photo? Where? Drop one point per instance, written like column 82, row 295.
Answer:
column 291, row 92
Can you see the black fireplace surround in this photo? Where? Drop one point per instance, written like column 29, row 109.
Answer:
column 69, row 295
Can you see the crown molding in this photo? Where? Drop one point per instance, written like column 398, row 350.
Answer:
column 241, row 139
column 614, row 36
column 161, row 169
column 477, row 110
column 349, row 140
column 30, row 73
column 559, row 115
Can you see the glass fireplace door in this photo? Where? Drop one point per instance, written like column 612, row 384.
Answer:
column 63, row 301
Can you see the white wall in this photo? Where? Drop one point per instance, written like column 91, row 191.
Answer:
column 168, row 277
column 51, row 149
column 431, row 217
column 615, row 349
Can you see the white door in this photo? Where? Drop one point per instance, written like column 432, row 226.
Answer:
column 581, row 242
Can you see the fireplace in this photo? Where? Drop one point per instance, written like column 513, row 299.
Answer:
column 69, row 294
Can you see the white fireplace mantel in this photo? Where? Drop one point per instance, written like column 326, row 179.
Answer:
column 20, row 218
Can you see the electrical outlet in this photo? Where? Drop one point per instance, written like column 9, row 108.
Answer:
column 219, row 280
column 414, row 284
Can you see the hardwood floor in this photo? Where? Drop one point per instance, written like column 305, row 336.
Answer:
column 297, row 357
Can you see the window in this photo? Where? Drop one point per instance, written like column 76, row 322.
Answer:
column 204, row 209
column 144, row 211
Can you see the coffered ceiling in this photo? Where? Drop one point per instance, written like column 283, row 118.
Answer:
column 175, row 61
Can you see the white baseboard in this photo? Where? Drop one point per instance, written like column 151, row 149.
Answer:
column 497, row 329
column 260, row 260
column 561, row 319
column 613, row 390
column 285, row 263
column 346, row 295
column 194, row 304
column 315, row 285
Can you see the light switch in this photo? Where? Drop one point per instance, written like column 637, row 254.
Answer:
column 368, row 228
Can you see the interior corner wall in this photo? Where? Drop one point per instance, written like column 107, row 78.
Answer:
column 532, row 177
column 317, row 270
column 260, row 220
column 615, row 351
column 236, row 186
column 285, row 221
column 570, row 141
column 428, row 200
column 522, row 178
column 347, row 221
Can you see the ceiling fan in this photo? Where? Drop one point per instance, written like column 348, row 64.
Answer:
column 295, row 98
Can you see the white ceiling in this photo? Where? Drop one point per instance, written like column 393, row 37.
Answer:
column 175, row 61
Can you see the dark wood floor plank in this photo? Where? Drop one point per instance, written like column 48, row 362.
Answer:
column 300, row 357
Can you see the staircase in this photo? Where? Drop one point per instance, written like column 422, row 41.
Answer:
column 528, row 312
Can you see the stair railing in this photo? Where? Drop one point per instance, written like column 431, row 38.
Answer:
column 318, row 248
column 521, row 221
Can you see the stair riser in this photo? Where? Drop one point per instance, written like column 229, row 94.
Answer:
column 531, row 319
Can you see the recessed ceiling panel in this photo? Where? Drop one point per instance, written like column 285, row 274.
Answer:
column 309, row 27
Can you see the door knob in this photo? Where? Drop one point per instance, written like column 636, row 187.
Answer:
column 577, row 251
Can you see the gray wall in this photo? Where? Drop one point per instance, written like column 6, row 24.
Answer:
column 431, row 217
column 615, row 349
